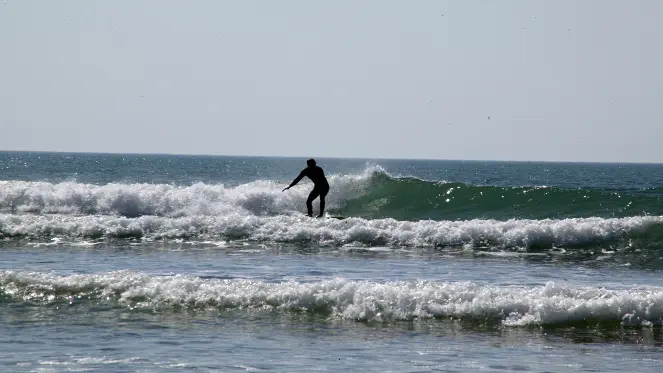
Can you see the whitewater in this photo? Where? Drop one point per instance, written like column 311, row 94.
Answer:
column 353, row 300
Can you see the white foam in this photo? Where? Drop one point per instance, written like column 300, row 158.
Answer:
column 301, row 229
column 132, row 200
column 354, row 300
column 89, row 361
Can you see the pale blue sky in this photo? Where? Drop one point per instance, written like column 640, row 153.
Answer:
column 561, row 80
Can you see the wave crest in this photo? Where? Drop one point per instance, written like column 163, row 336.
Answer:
column 509, row 234
column 262, row 197
column 371, row 194
column 551, row 304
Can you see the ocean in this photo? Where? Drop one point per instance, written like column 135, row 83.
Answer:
column 172, row 263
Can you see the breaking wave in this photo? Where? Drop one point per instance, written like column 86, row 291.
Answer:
column 385, row 210
column 371, row 194
column 302, row 230
column 550, row 304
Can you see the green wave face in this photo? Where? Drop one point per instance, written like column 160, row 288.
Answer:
column 416, row 199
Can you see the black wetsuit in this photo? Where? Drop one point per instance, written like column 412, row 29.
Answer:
column 321, row 187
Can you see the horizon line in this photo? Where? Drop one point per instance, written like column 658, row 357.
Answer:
column 325, row 157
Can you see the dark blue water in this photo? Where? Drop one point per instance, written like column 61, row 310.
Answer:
column 186, row 170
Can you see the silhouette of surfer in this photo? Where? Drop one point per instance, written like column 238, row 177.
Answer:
column 320, row 185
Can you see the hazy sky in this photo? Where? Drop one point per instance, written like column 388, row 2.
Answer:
column 560, row 80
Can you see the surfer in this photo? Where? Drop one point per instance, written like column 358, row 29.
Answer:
column 320, row 185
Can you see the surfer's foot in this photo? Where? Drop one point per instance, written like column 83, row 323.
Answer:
column 320, row 216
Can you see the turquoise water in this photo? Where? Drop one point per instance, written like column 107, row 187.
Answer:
column 124, row 263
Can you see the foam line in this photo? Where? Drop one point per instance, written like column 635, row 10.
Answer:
column 551, row 304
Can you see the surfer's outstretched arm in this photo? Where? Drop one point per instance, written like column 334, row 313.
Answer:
column 294, row 182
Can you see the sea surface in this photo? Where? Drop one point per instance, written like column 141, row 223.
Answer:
column 164, row 263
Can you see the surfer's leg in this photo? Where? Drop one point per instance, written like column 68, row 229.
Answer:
column 323, row 194
column 309, row 202
column 322, row 206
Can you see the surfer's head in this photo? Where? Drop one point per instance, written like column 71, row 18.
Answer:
column 310, row 162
